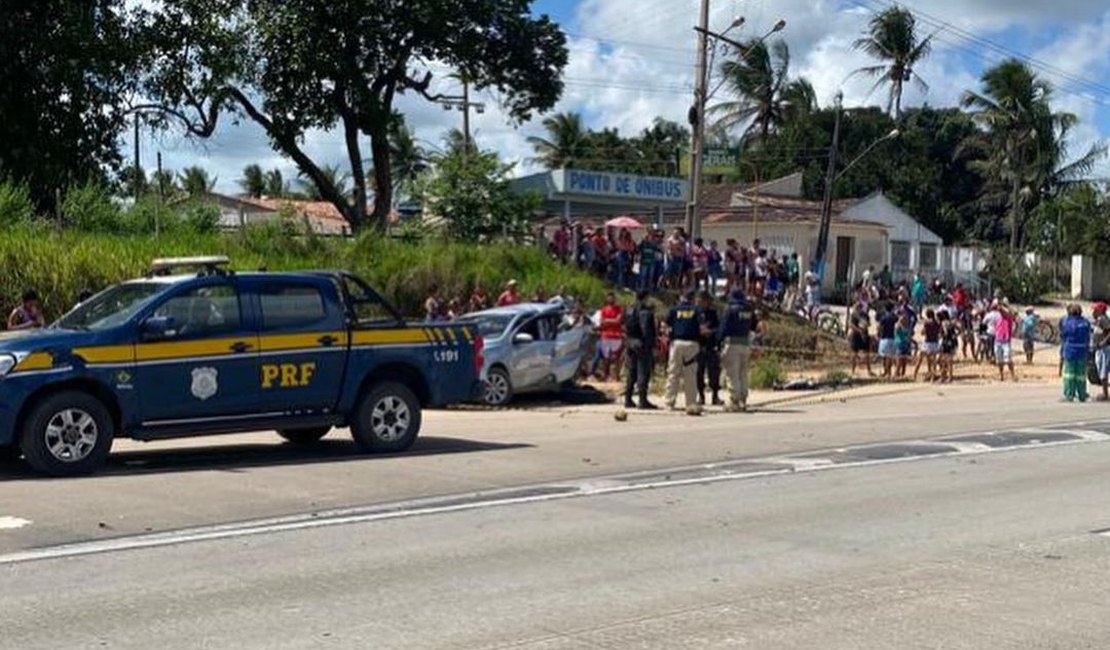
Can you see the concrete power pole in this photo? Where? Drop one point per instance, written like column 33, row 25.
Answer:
column 826, row 204
column 697, row 121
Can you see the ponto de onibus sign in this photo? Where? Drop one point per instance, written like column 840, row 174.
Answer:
column 654, row 189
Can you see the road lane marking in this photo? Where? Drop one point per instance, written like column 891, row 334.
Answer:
column 777, row 465
column 11, row 523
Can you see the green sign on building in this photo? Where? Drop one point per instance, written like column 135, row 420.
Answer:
column 717, row 161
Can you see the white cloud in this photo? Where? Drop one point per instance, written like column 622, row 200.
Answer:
column 632, row 60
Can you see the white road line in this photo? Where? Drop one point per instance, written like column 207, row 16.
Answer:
column 565, row 490
column 11, row 523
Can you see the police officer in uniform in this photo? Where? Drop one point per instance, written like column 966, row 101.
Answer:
column 737, row 326
column 685, row 331
column 709, row 360
column 640, row 336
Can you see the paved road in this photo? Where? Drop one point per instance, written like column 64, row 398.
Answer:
column 164, row 486
column 981, row 550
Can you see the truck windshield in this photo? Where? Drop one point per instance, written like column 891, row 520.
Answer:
column 110, row 307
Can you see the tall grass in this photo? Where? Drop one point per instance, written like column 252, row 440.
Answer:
column 59, row 264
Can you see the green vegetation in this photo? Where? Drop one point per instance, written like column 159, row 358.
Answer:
column 61, row 264
column 767, row 371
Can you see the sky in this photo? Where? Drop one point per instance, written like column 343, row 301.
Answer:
column 633, row 60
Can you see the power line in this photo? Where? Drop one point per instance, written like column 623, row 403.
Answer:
column 964, row 40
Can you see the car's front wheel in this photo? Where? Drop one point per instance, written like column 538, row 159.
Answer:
column 387, row 418
column 497, row 389
column 67, row 434
column 304, row 436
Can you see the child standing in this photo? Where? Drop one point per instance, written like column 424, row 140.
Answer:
column 949, row 341
column 1029, row 334
column 903, row 341
column 930, row 348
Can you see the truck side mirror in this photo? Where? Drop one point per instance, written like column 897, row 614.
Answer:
column 157, row 328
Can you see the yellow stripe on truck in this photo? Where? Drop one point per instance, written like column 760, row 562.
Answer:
column 186, row 349
column 303, row 341
column 389, row 337
column 106, row 354
column 35, row 361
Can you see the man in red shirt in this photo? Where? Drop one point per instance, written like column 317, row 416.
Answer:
column 611, row 331
column 509, row 296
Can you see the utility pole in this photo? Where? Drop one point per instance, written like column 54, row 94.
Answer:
column 138, row 164
column 697, row 122
column 161, row 191
column 463, row 104
column 826, row 205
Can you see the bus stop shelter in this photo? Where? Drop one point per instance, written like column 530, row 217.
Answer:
column 575, row 193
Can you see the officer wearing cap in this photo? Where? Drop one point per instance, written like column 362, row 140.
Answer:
column 640, row 336
column 737, row 326
column 685, row 331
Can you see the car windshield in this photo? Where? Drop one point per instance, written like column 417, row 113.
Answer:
column 110, row 307
column 490, row 326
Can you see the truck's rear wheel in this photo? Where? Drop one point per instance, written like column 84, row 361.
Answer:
column 304, row 436
column 67, row 434
column 387, row 418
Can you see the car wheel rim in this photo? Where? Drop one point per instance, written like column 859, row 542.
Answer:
column 497, row 389
column 71, row 435
column 390, row 419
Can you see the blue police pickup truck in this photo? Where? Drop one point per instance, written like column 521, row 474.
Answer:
column 214, row 351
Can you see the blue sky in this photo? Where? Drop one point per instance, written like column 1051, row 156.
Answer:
column 632, row 60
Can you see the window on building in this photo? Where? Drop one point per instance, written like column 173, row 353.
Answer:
column 900, row 254
column 928, row 256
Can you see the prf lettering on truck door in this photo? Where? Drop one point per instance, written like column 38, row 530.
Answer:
column 287, row 375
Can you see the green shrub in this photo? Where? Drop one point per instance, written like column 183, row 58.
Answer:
column 1016, row 280
column 90, row 207
column 767, row 372
column 15, row 205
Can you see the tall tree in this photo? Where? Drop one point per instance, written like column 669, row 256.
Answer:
column 253, row 181
column 408, row 158
column 1023, row 145
column 195, row 181
column 765, row 96
column 275, row 184
column 565, row 141
column 893, row 39
column 657, row 147
column 335, row 177
column 292, row 66
column 63, row 85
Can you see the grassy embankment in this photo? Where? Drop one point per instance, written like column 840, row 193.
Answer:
column 60, row 264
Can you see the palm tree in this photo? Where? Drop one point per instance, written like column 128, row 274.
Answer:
column 275, row 185
column 253, row 182
column 657, row 147
column 195, row 181
column 338, row 179
column 408, row 159
column 1024, row 143
column 766, row 97
column 565, row 143
column 892, row 39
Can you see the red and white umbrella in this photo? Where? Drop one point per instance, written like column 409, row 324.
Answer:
column 624, row 222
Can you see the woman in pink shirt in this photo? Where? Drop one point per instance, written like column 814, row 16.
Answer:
column 1003, row 338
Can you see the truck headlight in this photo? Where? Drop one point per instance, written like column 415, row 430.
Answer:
column 7, row 362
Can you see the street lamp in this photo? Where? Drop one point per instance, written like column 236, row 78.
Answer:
column 701, row 97
column 831, row 177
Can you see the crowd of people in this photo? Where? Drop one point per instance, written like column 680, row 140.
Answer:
column 675, row 262
column 910, row 327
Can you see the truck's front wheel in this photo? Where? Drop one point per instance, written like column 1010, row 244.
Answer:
column 387, row 418
column 67, row 434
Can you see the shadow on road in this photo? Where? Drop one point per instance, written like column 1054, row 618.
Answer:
column 233, row 458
